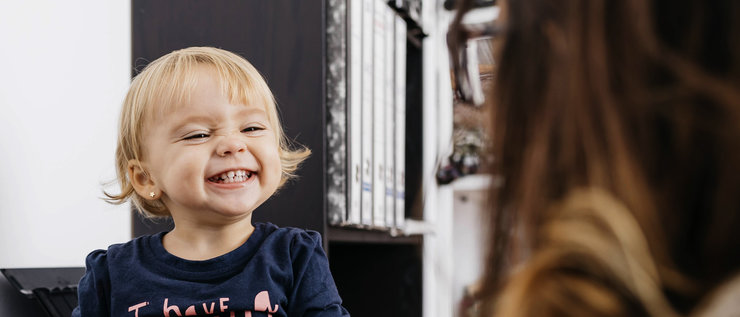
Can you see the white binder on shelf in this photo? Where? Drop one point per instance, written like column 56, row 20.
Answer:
column 400, row 121
column 366, row 178
column 354, row 112
column 389, row 116
column 379, row 61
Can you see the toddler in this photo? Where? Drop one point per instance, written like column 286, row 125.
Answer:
column 200, row 141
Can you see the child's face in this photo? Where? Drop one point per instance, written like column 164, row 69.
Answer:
column 212, row 159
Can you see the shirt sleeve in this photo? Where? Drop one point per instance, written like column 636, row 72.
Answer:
column 93, row 292
column 314, row 292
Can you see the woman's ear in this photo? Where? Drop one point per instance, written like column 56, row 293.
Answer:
column 142, row 181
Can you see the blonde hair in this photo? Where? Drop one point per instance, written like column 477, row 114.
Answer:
column 165, row 83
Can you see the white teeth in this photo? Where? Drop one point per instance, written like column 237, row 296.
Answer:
column 232, row 176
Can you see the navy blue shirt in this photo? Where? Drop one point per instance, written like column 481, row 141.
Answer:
column 277, row 272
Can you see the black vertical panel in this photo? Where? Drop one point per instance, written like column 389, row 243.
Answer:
column 378, row 279
column 414, row 132
column 283, row 39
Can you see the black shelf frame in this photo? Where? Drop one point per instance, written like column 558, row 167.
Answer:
column 376, row 236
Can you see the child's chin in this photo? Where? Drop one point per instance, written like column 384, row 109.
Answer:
column 231, row 212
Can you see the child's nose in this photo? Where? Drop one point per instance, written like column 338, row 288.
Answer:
column 231, row 145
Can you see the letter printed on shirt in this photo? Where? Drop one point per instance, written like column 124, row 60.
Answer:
column 169, row 309
column 213, row 307
column 222, row 303
column 191, row 311
column 136, row 308
column 262, row 302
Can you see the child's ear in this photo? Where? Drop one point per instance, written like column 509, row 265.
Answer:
column 142, row 181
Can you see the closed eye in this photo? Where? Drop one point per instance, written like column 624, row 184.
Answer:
column 196, row 136
column 252, row 129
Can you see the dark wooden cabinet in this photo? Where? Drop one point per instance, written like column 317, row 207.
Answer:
column 286, row 41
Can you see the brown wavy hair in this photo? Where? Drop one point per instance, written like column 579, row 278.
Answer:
column 616, row 129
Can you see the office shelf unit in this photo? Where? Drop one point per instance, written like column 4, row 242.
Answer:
column 293, row 44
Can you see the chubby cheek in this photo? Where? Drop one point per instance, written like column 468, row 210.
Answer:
column 182, row 173
column 271, row 167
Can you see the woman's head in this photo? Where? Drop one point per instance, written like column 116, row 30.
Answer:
column 637, row 98
column 167, row 84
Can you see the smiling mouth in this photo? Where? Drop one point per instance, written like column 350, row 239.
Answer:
column 236, row 176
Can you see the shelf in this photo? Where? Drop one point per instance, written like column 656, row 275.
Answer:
column 358, row 235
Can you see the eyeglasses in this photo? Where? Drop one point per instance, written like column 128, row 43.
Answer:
column 462, row 42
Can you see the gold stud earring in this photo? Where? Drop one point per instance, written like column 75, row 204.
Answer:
column 152, row 194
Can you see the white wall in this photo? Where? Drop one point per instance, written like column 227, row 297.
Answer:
column 65, row 69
